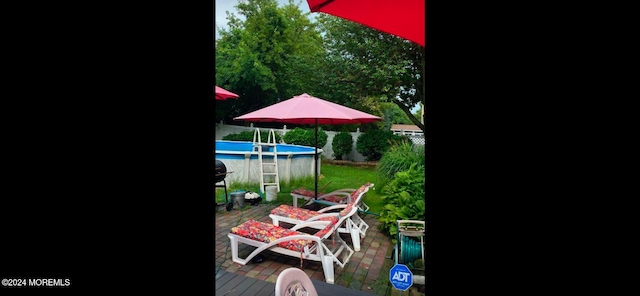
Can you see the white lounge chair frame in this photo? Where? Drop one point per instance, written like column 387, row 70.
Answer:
column 324, row 254
column 354, row 226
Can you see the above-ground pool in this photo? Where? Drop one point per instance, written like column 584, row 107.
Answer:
column 294, row 161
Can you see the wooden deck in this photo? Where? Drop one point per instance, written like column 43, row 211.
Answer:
column 231, row 284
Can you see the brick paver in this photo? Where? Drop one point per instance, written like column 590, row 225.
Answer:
column 360, row 273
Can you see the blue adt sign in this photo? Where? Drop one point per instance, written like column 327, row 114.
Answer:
column 401, row 277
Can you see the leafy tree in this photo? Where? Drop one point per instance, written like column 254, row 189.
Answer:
column 270, row 56
column 392, row 114
column 364, row 63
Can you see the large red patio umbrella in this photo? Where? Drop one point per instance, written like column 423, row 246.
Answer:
column 223, row 94
column 305, row 109
column 404, row 18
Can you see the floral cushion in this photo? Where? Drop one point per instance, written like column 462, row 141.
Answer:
column 346, row 210
column 328, row 228
column 311, row 193
column 304, row 214
column 354, row 195
column 265, row 232
column 305, row 192
column 362, row 188
column 298, row 213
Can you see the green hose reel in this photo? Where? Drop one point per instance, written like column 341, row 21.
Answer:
column 410, row 251
column 410, row 242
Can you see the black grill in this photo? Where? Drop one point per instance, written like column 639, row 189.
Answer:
column 221, row 171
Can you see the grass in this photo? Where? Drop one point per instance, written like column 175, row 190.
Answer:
column 333, row 177
column 342, row 176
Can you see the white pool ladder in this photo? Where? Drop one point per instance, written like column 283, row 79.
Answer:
column 267, row 168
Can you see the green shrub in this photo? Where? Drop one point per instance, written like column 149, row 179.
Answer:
column 248, row 136
column 372, row 144
column 342, row 144
column 399, row 158
column 404, row 199
column 305, row 137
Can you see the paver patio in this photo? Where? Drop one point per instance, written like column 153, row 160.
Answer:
column 360, row 273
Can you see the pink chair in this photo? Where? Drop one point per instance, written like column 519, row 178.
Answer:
column 293, row 281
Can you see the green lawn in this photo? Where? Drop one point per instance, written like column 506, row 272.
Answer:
column 333, row 177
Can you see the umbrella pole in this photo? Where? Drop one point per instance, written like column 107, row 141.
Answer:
column 315, row 171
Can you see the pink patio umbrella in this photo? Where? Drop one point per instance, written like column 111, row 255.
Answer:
column 305, row 109
column 223, row 94
column 404, row 18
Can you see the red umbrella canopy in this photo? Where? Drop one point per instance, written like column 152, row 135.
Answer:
column 404, row 18
column 305, row 109
column 223, row 94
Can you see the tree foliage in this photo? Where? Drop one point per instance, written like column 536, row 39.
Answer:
column 270, row 56
column 392, row 114
column 270, row 53
column 363, row 63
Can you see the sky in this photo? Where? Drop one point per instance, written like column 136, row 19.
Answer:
column 222, row 6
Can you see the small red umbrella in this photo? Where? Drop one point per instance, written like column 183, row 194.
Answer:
column 305, row 109
column 223, row 94
column 404, row 18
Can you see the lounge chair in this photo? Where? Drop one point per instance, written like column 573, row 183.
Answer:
column 354, row 226
column 324, row 246
column 340, row 196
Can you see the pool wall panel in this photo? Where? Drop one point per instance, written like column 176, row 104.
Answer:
column 244, row 166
